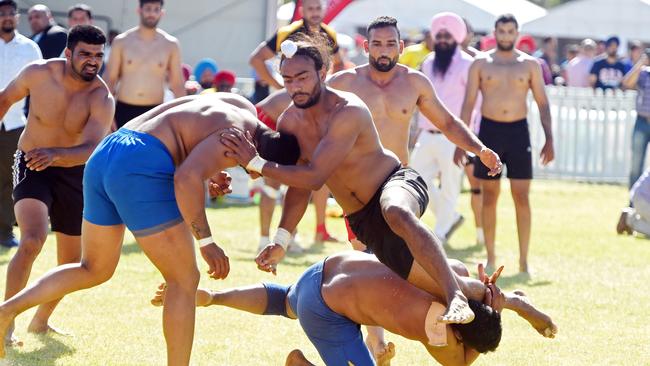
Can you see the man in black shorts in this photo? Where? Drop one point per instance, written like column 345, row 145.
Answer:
column 504, row 76
column 70, row 112
column 340, row 147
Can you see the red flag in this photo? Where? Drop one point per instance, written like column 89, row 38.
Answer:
column 333, row 9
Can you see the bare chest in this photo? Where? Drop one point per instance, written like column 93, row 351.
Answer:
column 145, row 57
column 53, row 107
column 511, row 77
column 393, row 103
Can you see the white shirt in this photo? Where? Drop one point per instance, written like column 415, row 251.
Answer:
column 14, row 55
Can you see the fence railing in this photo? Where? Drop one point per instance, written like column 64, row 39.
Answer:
column 592, row 134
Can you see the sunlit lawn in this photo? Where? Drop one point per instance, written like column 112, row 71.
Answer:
column 593, row 282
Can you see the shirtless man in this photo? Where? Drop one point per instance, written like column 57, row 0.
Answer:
column 340, row 147
column 392, row 93
column 504, row 76
column 149, row 177
column 142, row 60
column 353, row 288
column 71, row 111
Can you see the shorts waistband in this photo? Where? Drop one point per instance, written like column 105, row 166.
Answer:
column 135, row 106
column 19, row 156
column 145, row 137
column 352, row 216
column 513, row 124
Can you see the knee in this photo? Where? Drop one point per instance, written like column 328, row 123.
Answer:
column 397, row 216
column 187, row 281
column 31, row 245
column 489, row 197
column 98, row 274
column 458, row 267
column 520, row 198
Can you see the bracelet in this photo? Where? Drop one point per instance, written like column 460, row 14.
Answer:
column 205, row 241
column 256, row 164
column 282, row 238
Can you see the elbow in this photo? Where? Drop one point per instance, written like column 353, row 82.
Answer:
column 254, row 59
column 315, row 183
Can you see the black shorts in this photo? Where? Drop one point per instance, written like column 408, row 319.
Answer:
column 125, row 112
column 511, row 140
column 60, row 189
column 372, row 229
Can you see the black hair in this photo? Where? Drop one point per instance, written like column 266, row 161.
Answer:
column 313, row 46
column 484, row 332
column 82, row 7
column 383, row 22
column 85, row 33
column 11, row 3
column 506, row 18
column 142, row 2
column 278, row 147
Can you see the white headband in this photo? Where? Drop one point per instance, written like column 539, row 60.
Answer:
column 288, row 48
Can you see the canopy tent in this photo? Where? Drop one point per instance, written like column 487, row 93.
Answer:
column 595, row 19
column 417, row 14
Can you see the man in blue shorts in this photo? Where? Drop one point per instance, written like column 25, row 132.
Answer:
column 149, row 177
column 334, row 296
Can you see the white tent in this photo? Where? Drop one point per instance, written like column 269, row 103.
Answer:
column 596, row 19
column 417, row 14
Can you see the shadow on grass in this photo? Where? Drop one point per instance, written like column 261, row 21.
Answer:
column 51, row 350
column 131, row 248
column 508, row 282
column 464, row 253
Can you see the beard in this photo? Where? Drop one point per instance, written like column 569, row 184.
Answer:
column 374, row 62
column 149, row 23
column 442, row 60
column 88, row 75
column 505, row 47
column 314, row 97
column 8, row 27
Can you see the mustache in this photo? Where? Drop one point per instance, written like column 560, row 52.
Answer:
column 299, row 94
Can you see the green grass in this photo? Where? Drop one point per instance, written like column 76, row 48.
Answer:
column 591, row 281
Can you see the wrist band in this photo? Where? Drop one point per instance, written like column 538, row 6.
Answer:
column 205, row 241
column 282, row 238
column 256, row 164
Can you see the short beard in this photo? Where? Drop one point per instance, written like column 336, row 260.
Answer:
column 150, row 25
column 504, row 48
column 8, row 29
column 443, row 57
column 374, row 62
column 313, row 99
column 84, row 77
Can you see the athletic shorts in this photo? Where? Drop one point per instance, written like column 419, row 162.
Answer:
column 268, row 121
column 60, row 189
column 130, row 180
column 511, row 141
column 125, row 112
column 372, row 229
column 337, row 339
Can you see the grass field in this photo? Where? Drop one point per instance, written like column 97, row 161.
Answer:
column 591, row 281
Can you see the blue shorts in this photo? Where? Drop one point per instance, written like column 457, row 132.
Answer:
column 129, row 179
column 337, row 338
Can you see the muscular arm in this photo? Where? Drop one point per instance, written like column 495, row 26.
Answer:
column 295, row 204
column 257, row 58
column 102, row 109
column 343, row 131
column 17, row 89
column 632, row 77
column 471, row 92
column 112, row 73
column 205, row 159
column 453, row 128
column 175, row 71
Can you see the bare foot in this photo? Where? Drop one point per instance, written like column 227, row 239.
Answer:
column 523, row 268
column 542, row 323
column 382, row 353
column 458, row 311
column 297, row 358
column 38, row 327
column 6, row 329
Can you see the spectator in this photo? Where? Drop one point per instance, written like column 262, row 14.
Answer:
column 16, row 51
column 637, row 218
column 601, row 46
column 469, row 38
column 578, row 69
column 204, row 72
column 636, row 49
column 548, row 53
column 413, row 55
column 80, row 14
column 608, row 71
column 639, row 78
column 223, row 81
column 50, row 37
column 527, row 44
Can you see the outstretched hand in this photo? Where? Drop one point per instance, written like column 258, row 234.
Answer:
column 269, row 258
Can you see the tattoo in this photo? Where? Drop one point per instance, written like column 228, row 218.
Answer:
column 196, row 229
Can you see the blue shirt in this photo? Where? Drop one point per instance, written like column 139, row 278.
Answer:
column 608, row 76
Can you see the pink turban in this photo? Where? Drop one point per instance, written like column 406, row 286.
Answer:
column 450, row 22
